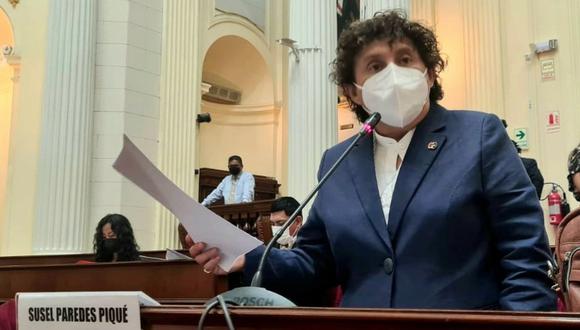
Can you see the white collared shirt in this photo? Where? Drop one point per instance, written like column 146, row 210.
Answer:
column 238, row 189
column 387, row 151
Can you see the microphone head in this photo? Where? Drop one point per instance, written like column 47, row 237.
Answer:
column 370, row 123
column 373, row 120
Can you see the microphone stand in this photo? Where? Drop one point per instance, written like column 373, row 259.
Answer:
column 255, row 295
column 365, row 130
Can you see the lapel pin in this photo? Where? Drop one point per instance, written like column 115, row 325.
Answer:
column 432, row 145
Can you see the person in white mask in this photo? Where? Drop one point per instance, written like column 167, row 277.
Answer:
column 281, row 210
column 435, row 210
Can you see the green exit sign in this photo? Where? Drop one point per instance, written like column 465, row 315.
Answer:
column 521, row 138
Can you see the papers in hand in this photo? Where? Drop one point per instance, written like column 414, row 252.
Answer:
column 174, row 255
column 202, row 224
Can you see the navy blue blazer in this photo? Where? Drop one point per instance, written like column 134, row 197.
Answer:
column 465, row 228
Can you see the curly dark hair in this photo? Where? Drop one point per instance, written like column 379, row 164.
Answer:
column 128, row 248
column 391, row 26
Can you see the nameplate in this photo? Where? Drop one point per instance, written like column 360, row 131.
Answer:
column 79, row 310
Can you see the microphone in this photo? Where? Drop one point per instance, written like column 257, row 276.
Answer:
column 367, row 128
column 255, row 295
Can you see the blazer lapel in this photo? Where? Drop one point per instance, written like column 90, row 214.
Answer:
column 427, row 142
column 362, row 167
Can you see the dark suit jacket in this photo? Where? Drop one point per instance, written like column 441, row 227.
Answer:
column 534, row 173
column 465, row 228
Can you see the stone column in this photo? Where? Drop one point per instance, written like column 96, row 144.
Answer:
column 180, row 99
column 312, row 114
column 64, row 166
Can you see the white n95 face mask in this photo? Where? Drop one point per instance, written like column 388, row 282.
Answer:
column 286, row 240
column 397, row 93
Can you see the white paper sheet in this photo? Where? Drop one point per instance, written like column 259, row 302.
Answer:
column 174, row 255
column 202, row 224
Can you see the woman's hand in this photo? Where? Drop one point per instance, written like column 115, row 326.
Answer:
column 209, row 259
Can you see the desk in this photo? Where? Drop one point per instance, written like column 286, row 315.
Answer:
column 177, row 318
column 57, row 259
column 167, row 281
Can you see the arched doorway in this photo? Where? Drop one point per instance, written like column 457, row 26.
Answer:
column 6, row 92
column 246, row 126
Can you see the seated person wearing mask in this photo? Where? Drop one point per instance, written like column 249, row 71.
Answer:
column 281, row 210
column 238, row 187
column 114, row 240
column 574, row 172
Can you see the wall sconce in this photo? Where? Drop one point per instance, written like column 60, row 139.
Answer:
column 287, row 42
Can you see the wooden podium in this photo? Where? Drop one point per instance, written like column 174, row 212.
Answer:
column 176, row 318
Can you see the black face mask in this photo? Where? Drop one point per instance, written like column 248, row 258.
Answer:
column 235, row 170
column 110, row 246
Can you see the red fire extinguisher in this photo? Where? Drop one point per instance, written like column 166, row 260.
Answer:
column 555, row 207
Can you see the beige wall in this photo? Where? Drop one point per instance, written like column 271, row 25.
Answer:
column 248, row 129
column 247, row 132
column 247, row 71
column 6, row 83
column 256, row 128
column 531, row 98
column 29, row 20
column 486, row 42
column 6, row 73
